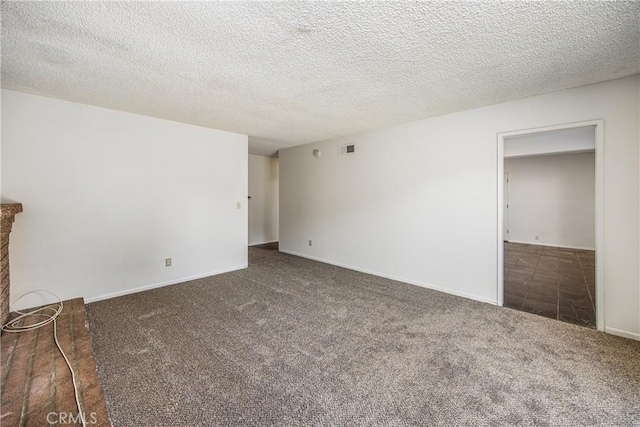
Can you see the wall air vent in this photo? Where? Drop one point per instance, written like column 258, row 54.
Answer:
column 346, row 149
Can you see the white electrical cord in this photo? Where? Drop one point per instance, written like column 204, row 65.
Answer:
column 56, row 309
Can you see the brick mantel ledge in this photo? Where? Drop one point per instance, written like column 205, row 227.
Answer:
column 9, row 210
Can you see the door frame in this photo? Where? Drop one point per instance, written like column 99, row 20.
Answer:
column 505, row 207
column 599, row 211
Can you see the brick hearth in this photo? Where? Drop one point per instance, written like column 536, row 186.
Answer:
column 36, row 382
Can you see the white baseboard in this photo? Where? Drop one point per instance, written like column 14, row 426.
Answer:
column 621, row 333
column 538, row 243
column 399, row 279
column 161, row 284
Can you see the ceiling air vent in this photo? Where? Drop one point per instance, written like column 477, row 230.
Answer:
column 346, row 149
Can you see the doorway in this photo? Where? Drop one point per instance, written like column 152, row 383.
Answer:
column 549, row 241
column 263, row 212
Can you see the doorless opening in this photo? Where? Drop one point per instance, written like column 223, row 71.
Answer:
column 595, row 126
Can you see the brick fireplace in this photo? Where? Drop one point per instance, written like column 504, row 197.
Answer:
column 7, row 215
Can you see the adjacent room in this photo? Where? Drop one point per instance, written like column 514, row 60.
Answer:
column 293, row 213
column 549, row 224
column 262, row 203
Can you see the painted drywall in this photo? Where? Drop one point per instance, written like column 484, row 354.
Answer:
column 582, row 139
column 263, row 202
column 553, row 198
column 109, row 195
column 418, row 202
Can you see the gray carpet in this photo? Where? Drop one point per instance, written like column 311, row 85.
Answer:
column 291, row 342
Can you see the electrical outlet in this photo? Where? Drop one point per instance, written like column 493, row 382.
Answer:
column 167, row 262
column 537, row 237
column 310, row 242
column 239, row 205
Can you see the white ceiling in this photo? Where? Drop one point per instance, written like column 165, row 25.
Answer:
column 289, row 73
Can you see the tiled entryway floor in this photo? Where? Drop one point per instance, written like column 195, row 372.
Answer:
column 553, row 282
column 269, row 246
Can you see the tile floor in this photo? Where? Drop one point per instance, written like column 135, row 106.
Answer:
column 270, row 246
column 553, row 282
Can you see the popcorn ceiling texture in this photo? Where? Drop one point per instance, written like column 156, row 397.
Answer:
column 288, row 73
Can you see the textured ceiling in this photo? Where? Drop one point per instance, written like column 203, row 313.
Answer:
column 288, row 73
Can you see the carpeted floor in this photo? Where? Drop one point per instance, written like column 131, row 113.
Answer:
column 290, row 342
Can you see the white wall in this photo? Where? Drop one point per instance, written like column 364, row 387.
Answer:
column 581, row 139
column 418, row 202
column 552, row 197
column 108, row 196
column 263, row 205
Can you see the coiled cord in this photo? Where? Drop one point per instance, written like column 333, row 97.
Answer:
column 48, row 314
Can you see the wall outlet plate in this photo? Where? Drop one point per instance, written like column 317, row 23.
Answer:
column 167, row 262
